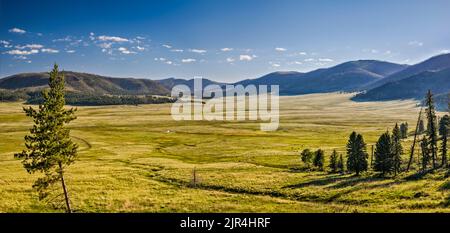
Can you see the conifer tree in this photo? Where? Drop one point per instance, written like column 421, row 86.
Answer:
column 425, row 153
column 319, row 159
column 49, row 149
column 334, row 161
column 444, row 132
column 306, row 156
column 397, row 150
column 356, row 154
column 340, row 164
column 383, row 154
column 404, row 130
column 432, row 128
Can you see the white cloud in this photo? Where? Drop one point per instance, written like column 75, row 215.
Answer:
column 197, row 51
column 388, row 52
column 415, row 43
column 105, row 45
column 167, row 46
column 309, row 59
column 275, row 65
column 4, row 42
column 21, row 57
column 226, row 49
column 17, row 30
column 140, row 48
column 168, row 62
column 49, row 50
column 65, row 39
column 302, row 53
column 113, row 39
column 245, row 57
column 70, row 51
column 280, row 49
column 29, row 46
column 177, row 50
column 374, row 51
column 230, row 59
column 325, row 60
column 188, row 60
column 445, row 51
column 92, row 36
column 22, row 52
column 125, row 51
column 297, row 62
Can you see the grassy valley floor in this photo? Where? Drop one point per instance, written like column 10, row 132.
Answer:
column 137, row 159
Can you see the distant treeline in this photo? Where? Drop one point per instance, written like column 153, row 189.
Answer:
column 82, row 99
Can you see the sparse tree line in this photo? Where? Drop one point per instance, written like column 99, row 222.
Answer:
column 387, row 155
column 84, row 99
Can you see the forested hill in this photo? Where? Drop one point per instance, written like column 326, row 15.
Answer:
column 86, row 83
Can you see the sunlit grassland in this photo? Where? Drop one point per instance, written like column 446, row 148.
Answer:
column 137, row 159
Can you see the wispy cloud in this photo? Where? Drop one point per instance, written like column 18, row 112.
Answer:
column 167, row 46
column 230, row 60
column 244, row 57
column 275, row 65
column 415, row 43
column 226, row 49
column 29, row 46
column 113, row 39
column 64, row 39
column 188, row 60
column 177, row 50
column 17, row 31
column 280, row 49
column 22, row 52
column 325, row 60
column 5, row 43
column 140, row 48
column 201, row 51
column 70, row 51
column 124, row 50
column 47, row 50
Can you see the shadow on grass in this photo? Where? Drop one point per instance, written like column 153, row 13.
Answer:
column 318, row 182
column 418, row 175
column 445, row 187
column 355, row 180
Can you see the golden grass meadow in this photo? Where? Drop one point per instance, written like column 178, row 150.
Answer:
column 138, row 159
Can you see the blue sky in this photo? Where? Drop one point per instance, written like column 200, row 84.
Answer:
column 217, row 39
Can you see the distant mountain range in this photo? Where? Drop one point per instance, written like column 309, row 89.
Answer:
column 375, row 80
column 85, row 83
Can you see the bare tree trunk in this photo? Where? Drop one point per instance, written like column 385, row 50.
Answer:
column 66, row 196
column 414, row 141
column 371, row 156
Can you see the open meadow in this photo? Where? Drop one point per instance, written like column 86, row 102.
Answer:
column 137, row 159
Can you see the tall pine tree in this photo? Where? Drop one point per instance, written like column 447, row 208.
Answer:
column 432, row 128
column 319, row 159
column 340, row 164
column 425, row 153
column 444, row 132
column 356, row 154
column 49, row 149
column 397, row 150
column 383, row 154
column 334, row 161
